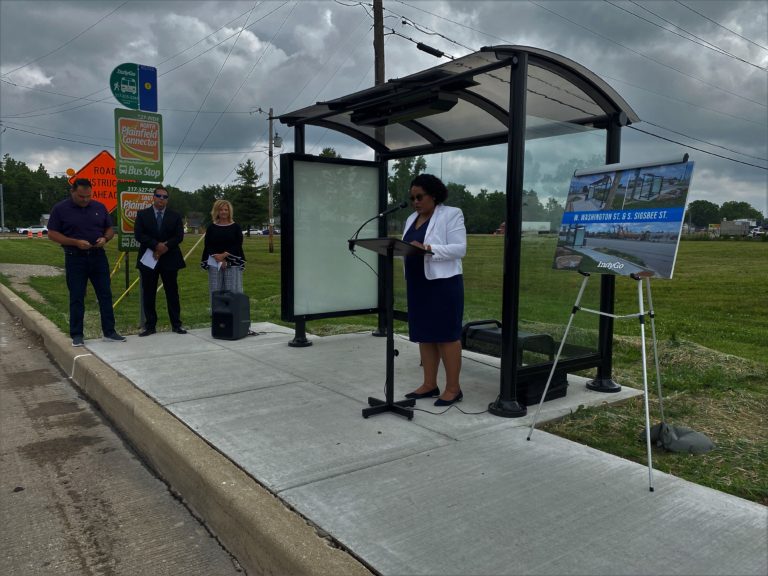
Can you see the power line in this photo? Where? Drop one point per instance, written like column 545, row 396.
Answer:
column 111, row 145
column 104, row 101
column 683, row 101
column 210, row 88
column 679, row 133
column 694, row 148
column 67, row 42
column 604, row 75
column 721, row 26
column 236, row 92
column 706, row 142
column 395, row 33
column 349, row 53
column 647, row 57
column 704, row 43
column 33, row 113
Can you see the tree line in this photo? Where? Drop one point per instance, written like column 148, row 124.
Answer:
column 702, row 213
column 27, row 194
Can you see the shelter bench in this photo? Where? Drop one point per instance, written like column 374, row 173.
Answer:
column 484, row 337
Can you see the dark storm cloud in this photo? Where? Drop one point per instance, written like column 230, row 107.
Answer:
column 294, row 54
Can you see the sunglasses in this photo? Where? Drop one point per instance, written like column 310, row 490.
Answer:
column 417, row 197
column 163, row 196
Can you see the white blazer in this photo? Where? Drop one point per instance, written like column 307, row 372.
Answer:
column 447, row 236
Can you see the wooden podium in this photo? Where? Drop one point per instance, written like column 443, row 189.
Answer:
column 389, row 248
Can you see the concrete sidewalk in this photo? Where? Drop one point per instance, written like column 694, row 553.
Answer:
column 268, row 444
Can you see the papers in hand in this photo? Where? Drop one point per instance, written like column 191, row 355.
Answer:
column 213, row 262
column 148, row 259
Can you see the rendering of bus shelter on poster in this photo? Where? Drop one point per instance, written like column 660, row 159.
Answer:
column 624, row 219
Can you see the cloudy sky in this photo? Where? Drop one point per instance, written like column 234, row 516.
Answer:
column 694, row 72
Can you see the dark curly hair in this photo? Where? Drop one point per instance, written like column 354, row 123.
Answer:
column 432, row 185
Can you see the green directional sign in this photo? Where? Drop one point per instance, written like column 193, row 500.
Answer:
column 124, row 83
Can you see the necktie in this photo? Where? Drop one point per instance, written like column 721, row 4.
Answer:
column 159, row 220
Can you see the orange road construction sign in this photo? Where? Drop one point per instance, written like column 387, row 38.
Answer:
column 101, row 172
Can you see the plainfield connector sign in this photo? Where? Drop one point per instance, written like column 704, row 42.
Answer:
column 138, row 145
column 134, row 196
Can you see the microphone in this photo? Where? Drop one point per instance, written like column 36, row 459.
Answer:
column 400, row 206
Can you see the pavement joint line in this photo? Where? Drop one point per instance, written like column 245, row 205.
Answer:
column 74, row 361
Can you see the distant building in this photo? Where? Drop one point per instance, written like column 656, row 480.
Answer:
column 528, row 227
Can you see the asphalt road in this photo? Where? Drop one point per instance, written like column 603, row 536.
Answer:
column 648, row 252
column 74, row 498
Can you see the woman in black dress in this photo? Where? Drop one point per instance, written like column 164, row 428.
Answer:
column 223, row 250
column 435, row 287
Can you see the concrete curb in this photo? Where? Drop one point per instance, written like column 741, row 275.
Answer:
column 253, row 524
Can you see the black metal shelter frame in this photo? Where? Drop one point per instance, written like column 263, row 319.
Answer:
column 500, row 94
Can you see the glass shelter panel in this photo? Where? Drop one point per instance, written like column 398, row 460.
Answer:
column 547, row 295
column 330, row 201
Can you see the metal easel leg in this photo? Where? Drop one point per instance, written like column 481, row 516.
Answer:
column 641, row 317
column 655, row 347
column 559, row 351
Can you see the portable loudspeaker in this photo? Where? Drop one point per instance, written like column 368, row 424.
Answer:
column 230, row 315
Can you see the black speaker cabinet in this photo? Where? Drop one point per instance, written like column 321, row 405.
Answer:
column 230, row 315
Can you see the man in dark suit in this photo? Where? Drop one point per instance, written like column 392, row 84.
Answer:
column 160, row 230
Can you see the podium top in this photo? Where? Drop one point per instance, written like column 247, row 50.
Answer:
column 382, row 245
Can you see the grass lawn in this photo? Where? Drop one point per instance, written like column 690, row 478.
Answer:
column 711, row 320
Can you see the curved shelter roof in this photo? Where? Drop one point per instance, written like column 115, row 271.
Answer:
column 464, row 103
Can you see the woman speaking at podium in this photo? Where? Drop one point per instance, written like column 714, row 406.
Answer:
column 435, row 287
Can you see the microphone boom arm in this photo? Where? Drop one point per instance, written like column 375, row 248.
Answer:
column 400, row 206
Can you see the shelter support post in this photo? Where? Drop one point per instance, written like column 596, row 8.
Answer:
column 300, row 335
column 300, row 327
column 603, row 381
column 381, row 328
column 506, row 404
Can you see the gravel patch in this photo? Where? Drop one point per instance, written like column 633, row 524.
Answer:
column 19, row 275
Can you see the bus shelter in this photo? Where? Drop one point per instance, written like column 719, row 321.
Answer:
column 499, row 96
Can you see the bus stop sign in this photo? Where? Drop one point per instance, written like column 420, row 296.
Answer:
column 135, row 86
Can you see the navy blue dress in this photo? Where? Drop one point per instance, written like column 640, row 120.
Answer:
column 435, row 307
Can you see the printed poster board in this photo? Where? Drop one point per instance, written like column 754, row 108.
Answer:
column 624, row 220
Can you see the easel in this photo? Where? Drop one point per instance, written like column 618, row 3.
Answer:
column 640, row 316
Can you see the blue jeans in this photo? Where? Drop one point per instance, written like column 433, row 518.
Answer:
column 82, row 266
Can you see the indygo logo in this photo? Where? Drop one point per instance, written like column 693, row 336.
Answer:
column 610, row 265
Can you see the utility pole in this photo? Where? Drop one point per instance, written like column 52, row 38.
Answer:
column 2, row 209
column 380, row 133
column 378, row 41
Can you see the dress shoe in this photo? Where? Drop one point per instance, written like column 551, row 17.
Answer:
column 416, row 395
column 146, row 332
column 179, row 330
column 440, row 402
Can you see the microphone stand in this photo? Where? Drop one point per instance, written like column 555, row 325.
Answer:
column 400, row 206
